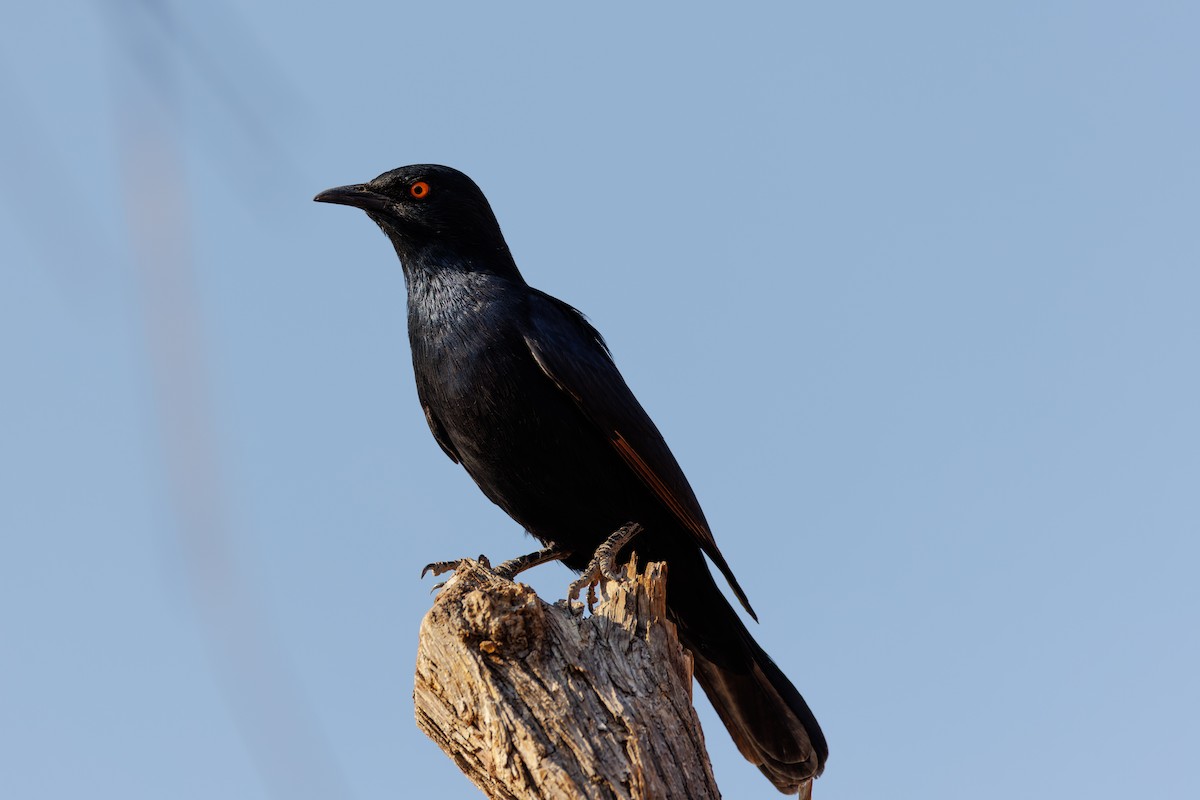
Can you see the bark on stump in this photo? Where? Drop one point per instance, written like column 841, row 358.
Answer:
column 534, row 701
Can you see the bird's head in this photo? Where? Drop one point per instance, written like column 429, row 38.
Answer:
column 433, row 215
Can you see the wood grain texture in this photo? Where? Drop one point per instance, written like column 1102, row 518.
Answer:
column 535, row 701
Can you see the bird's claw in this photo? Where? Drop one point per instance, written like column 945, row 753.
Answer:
column 603, row 565
column 588, row 579
column 442, row 567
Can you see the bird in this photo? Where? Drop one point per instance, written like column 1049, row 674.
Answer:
column 522, row 391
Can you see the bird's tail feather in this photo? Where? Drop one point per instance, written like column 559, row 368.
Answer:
column 766, row 716
column 768, row 720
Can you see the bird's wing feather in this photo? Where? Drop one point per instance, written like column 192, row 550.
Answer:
column 573, row 355
column 440, row 435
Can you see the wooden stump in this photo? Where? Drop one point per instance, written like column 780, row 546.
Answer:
column 536, row 701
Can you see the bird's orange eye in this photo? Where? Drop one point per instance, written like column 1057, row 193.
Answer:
column 419, row 189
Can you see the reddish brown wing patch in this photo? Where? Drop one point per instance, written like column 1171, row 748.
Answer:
column 572, row 355
column 660, row 488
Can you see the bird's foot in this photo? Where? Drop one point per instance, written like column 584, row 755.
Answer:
column 505, row 569
column 442, row 567
column 603, row 565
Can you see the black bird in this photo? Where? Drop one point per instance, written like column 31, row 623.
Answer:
column 522, row 391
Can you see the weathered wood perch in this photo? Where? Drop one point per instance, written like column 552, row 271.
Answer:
column 533, row 701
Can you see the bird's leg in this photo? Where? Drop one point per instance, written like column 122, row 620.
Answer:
column 515, row 566
column 604, row 563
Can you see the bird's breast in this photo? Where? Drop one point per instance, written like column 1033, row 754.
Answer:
column 522, row 439
column 473, row 369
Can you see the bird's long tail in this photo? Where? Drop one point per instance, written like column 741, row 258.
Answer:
column 768, row 719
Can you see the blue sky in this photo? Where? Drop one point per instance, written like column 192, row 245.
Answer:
column 910, row 289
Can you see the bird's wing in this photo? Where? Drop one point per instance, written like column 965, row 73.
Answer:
column 439, row 434
column 573, row 354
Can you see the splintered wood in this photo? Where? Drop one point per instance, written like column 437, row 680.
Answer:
column 533, row 701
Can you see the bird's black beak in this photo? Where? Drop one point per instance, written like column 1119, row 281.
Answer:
column 358, row 195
